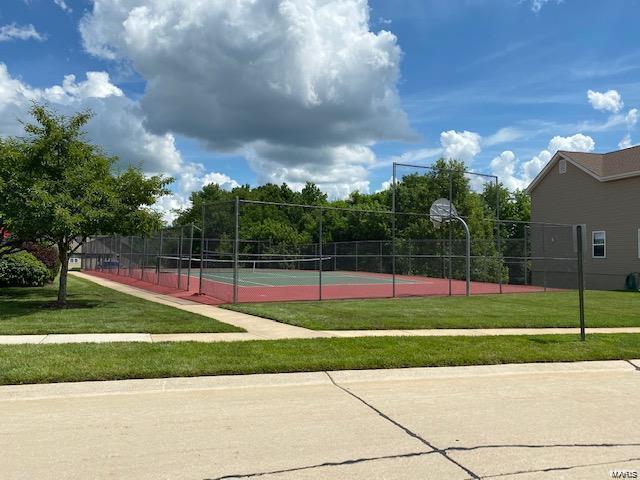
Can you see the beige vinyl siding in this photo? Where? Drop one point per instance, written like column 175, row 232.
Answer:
column 614, row 207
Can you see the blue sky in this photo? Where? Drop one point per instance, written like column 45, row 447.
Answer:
column 306, row 92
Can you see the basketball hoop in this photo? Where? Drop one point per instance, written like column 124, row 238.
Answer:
column 442, row 210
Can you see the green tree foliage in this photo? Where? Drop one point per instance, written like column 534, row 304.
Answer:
column 58, row 189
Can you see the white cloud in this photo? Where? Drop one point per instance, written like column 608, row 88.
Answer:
column 302, row 86
column 625, row 142
column 118, row 124
column 169, row 205
column 97, row 85
column 338, row 171
column 225, row 182
column 574, row 143
column 515, row 174
column 14, row 31
column 386, row 185
column 63, row 5
column 532, row 167
column 631, row 118
column 409, row 157
column 536, row 5
column 460, row 145
column 192, row 177
column 609, row 101
column 504, row 166
column 504, row 135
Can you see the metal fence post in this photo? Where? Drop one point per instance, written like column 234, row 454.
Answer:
column 393, row 231
column 144, row 257
column 580, row 283
column 320, row 252
column 544, row 254
column 119, row 253
column 180, row 257
column 236, row 247
column 190, row 256
column 159, row 259
column 200, row 276
column 450, row 236
column 130, row 256
column 499, row 248
column 356, row 255
column 526, row 266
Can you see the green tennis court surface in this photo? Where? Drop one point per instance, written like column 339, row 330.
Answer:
column 276, row 278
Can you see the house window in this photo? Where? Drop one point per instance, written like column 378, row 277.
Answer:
column 599, row 244
column 562, row 166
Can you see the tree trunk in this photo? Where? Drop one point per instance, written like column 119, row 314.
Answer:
column 63, row 255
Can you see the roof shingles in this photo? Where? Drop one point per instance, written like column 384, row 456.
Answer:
column 603, row 165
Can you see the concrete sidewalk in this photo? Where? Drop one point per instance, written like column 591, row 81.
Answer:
column 238, row 337
column 258, row 328
column 547, row 421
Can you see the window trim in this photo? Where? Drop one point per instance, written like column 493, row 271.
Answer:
column 593, row 244
column 638, row 242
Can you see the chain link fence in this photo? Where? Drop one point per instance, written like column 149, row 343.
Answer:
column 252, row 251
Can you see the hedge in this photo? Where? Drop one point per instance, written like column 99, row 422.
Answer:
column 22, row 270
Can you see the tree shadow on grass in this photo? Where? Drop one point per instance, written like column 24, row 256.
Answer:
column 10, row 310
column 15, row 293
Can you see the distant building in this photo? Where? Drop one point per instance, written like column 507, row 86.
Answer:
column 601, row 192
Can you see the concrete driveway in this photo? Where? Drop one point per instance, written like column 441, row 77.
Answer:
column 574, row 421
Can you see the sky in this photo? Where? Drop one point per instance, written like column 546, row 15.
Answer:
column 329, row 91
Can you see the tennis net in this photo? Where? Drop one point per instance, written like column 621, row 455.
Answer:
column 256, row 264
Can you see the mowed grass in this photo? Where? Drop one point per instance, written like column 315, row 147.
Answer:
column 525, row 310
column 79, row 362
column 94, row 309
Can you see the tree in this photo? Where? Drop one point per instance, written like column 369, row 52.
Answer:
column 9, row 243
column 58, row 189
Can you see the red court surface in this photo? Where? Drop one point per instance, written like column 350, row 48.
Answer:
column 218, row 292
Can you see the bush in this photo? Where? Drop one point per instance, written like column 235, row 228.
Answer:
column 22, row 270
column 48, row 256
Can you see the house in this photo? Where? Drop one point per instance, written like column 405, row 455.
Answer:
column 601, row 192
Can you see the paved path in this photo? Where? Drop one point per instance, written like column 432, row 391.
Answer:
column 535, row 421
column 258, row 328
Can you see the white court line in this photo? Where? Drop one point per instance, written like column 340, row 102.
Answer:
column 229, row 281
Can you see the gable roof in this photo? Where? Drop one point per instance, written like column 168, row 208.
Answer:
column 604, row 167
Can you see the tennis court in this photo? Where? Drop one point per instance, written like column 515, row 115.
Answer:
column 278, row 278
column 274, row 280
column 258, row 282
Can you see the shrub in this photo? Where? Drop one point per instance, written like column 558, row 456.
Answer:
column 22, row 270
column 48, row 255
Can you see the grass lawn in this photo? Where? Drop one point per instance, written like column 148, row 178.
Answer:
column 526, row 310
column 79, row 362
column 94, row 309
